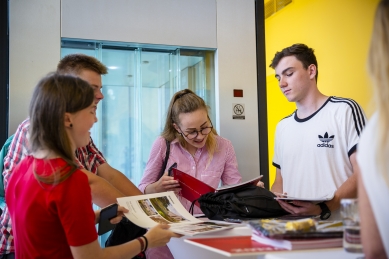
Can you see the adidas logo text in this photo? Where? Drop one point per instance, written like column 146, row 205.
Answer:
column 326, row 139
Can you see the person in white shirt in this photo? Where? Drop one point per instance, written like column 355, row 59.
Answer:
column 373, row 150
column 315, row 145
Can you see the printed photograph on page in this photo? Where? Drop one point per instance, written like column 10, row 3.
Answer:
column 161, row 210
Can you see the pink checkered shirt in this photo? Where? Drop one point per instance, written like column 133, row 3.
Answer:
column 89, row 157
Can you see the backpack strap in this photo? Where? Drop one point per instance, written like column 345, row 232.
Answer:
column 166, row 159
column 192, row 206
column 3, row 153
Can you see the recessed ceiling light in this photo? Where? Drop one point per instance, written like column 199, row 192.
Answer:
column 113, row 67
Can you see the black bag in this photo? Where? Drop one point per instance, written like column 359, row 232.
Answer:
column 241, row 203
column 123, row 232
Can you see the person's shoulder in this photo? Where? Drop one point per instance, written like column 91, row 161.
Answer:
column 159, row 141
column 370, row 131
column 223, row 142
column 25, row 163
column 24, row 126
column 347, row 103
column 78, row 175
column 287, row 119
column 159, row 144
column 25, row 123
column 340, row 106
column 220, row 139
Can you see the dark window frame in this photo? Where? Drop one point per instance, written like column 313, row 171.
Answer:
column 4, row 71
column 261, row 92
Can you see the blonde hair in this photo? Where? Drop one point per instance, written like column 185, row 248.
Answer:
column 378, row 66
column 186, row 101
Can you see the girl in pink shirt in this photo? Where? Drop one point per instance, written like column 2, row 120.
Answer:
column 195, row 147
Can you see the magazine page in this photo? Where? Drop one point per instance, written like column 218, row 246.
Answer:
column 208, row 226
column 149, row 210
column 234, row 186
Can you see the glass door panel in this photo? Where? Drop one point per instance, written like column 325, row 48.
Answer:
column 137, row 91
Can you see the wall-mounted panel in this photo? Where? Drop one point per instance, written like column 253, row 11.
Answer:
column 237, row 70
column 34, row 51
column 170, row 22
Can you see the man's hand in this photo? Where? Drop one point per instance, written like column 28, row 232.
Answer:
column 303, row 208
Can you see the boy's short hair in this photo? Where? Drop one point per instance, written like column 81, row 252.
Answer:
column 301, row 51
column 75, row 63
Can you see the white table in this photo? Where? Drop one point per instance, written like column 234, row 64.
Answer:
column 183, row 250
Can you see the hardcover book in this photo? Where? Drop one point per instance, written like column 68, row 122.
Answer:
column 233, row 245
column 299, row 244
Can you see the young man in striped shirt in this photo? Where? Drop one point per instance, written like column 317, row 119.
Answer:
column 314, row 146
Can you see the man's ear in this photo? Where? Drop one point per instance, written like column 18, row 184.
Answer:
column 67, row 120
column 312, row 71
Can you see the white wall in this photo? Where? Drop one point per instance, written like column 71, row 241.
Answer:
column 168, row 22
column 228, row 25
column 236, row 63
column 34, row 50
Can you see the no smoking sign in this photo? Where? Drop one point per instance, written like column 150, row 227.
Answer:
column 238, row 112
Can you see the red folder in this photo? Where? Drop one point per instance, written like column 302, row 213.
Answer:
column 192, row 188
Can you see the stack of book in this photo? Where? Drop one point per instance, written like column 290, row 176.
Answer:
column 297, row 234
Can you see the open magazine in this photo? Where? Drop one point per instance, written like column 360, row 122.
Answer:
column 149, row 210
column 192, row 188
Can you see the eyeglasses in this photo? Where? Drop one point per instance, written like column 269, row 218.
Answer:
column 204, row 131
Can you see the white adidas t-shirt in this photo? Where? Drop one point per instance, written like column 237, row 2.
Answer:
column 313, row 153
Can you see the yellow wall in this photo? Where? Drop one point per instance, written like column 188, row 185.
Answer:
column 339, row 32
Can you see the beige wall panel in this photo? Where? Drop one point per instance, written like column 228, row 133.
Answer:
column 34, row 51
column 170, row 22
column 237, row 70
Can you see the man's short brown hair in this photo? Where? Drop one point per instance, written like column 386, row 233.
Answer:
column 301, row 51
column 75, row 63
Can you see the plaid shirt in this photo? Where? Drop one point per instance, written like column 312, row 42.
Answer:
column 89, row 157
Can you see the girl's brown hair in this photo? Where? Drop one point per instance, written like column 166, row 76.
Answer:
column 53, row 96
column 186, row 101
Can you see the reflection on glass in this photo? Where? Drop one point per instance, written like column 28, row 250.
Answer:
column 137, row 90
